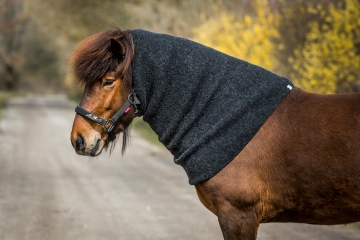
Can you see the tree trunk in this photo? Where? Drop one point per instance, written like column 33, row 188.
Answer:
column 10, row 77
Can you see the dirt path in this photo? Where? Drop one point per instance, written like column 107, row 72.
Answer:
column 48, row 192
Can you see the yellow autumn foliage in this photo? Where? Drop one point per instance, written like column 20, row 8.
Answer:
column 329, row 62
column 250, row 38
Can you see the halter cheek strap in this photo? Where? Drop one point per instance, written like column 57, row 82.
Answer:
column 109, row 124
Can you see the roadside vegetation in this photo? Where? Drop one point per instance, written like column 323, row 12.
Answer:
column 314, row 43
column 4, row 96
column 146, row 132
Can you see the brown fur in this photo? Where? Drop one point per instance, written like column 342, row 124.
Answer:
column 96, row 56
column 302, row 165
column 106, row 52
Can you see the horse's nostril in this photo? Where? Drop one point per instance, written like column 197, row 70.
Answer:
column 80, row 142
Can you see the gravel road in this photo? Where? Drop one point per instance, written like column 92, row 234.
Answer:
column 49, row 192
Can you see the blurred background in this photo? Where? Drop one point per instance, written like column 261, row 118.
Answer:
column 48, row 192
column 314, row 43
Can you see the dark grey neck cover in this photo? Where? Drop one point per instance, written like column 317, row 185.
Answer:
column 204, row 105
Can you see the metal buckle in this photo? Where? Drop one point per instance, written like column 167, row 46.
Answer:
column 133, row 102
column 129, row 100
column 137, row 112
column 111, row 127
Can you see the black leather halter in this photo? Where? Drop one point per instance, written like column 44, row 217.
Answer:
column 109, row 124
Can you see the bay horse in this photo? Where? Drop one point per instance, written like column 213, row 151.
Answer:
column 301, row 166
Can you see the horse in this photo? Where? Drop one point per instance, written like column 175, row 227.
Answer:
column 302, row 165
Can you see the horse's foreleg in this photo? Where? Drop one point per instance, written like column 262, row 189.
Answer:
column 237, row 224
column 235, row 201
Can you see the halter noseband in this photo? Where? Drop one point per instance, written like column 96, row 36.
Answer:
column 108, row 125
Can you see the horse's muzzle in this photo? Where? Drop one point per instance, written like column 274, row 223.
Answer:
column 80, row 143
column 92, row 150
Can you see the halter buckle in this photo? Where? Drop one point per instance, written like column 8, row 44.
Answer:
column 111, row 126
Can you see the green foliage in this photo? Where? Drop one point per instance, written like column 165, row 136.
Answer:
column 145, row 131
column 40, row 71
column 12, row 26
column 73, row 90
column 4, row 97
column 74, row 20
column 60, row 25
column 355, row 225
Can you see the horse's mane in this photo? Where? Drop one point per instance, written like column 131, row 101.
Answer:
column 94, row 57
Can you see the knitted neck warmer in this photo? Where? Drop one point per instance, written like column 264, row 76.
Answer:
column 204, row 105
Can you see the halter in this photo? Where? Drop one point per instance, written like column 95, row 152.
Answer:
column 108, row 125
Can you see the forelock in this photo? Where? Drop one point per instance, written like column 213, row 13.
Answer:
column 93, row 58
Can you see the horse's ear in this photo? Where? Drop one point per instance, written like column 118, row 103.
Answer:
column 118, row 48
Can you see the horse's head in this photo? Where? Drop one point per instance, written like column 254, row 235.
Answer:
column 102, row 62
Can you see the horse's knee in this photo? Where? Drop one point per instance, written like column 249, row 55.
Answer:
column 206, row 198
column 238, row 224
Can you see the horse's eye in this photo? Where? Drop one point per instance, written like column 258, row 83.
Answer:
column 108, row 83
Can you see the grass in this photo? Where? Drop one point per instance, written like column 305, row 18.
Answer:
column 145, row 131
column 356, row 225
column 4, row 96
